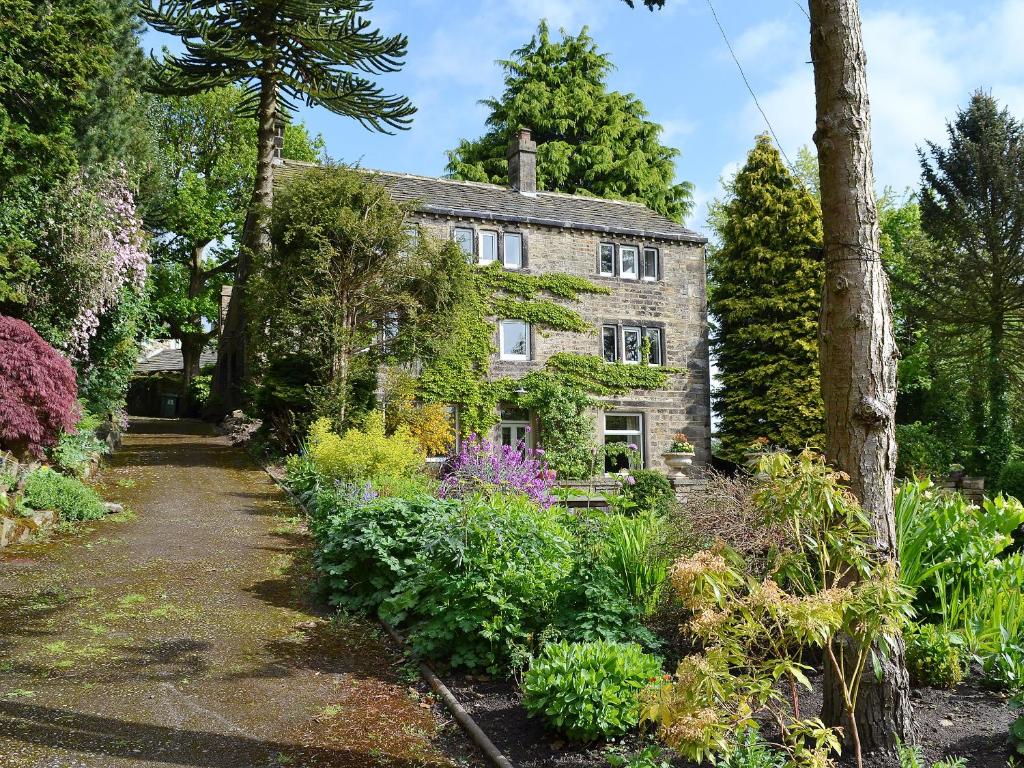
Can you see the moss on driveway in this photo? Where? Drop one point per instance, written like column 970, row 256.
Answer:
column 184, row 634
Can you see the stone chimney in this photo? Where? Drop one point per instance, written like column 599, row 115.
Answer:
column 279, row 125
column 522, row 163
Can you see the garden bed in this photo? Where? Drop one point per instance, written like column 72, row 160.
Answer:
column 967, row 722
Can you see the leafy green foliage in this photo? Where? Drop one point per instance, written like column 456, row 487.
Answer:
column 363, row 455
column 935, row 656
column 921, row 452
column 343, row 268
column 1011, row 479
column 765, row 295
column 830, row 591
column 68, row 497
column 484, row 582
column 749, row 750
column 651, row 491
column 589, row 690
column 971, row 284
column 1017, row 728
column 367, row 546
column 913, row 757
column 648, row 757
column 76, row 451
column 591, row 141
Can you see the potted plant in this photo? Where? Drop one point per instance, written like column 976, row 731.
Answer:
column 679, row 455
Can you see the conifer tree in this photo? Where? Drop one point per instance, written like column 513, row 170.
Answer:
column 282, row 52
column 765, row 297
column 590, row 140
column 971, row 283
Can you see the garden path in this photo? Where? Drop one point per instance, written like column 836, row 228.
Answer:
column 182, row 634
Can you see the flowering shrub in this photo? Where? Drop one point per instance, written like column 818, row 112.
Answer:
column 363, row 454
column 680, row 444
column 37, row 390
column 68, row 497
column 482, row 466
column 589, row 690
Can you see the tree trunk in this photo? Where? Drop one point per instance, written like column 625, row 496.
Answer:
column 231, row 373
column 857, row 345
column 192, row 343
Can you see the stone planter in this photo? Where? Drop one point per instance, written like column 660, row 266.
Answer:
column 678, row 463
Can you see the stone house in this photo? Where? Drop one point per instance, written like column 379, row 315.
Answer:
column 653, row 266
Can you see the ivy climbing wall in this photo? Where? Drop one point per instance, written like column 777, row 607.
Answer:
column 670, row 401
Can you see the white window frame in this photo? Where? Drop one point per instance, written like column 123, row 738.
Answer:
column 504, row 250
column 639, row 342
column 655, row 347
column 615, row 336
column 480, row 246
column 471, row 253
column 635, row 273
column 637, row 434
column 501, row 340
column 657, row 264
column 514, row 425
column 600, row 259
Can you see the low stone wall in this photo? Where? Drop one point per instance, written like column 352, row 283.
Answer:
column 971, row 488
column 18, row 530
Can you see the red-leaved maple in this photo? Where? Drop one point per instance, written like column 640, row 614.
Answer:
column 38, row 393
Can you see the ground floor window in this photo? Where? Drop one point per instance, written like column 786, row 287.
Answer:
column 622, row 430
column 514, row 427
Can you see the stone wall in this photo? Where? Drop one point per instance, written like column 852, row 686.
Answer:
column 677, row 303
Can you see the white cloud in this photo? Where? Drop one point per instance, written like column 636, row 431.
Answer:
column 921, row 67
column 760, row 44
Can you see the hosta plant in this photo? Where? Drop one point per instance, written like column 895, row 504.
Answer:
column 588, row 691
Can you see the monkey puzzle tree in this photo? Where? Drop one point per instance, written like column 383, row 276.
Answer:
column 282, row 52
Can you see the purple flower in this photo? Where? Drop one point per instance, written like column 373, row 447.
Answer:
column 631, row 480
column 632, row 447
column 483, row 466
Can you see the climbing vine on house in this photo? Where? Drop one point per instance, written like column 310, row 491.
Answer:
column 457, row 353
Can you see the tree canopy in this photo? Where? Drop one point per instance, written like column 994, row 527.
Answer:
column 766, row 294
column 590, row 140
column 969, row 286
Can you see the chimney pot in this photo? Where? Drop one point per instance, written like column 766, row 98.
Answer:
column 522, row 162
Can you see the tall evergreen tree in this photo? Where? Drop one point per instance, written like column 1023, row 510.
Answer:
column 282, row 52
column 972, row 282
column 765, row 297
column 590, row 140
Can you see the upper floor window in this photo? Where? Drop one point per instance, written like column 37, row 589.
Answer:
column 610, row 343
column 630, row 262
column 488, row 246
column 606, row 259
column 514, row 340
column 626, row 344
column 463, row 236
column 628, row 266
column 651, row 271
column 512, row 250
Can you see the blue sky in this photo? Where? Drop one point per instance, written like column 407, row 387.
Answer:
column 924, row 59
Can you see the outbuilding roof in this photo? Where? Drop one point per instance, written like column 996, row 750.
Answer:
column 493, row 202
column 165, row 360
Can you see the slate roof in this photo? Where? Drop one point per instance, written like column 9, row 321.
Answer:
column 493, row 202
column 170, row 360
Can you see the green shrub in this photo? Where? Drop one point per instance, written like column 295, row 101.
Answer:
column 366, row 454
column 913, row 757
column 302, row 478
column 76, row 451
column 613, row 583
column 651, row 492
column 46, row 489
column 484, row 582
column 1011, row 479
column 921, row 452
column 589, row 690
column 1017, row 727
column 935, row 656
column 751, row 751
column 368, row 545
